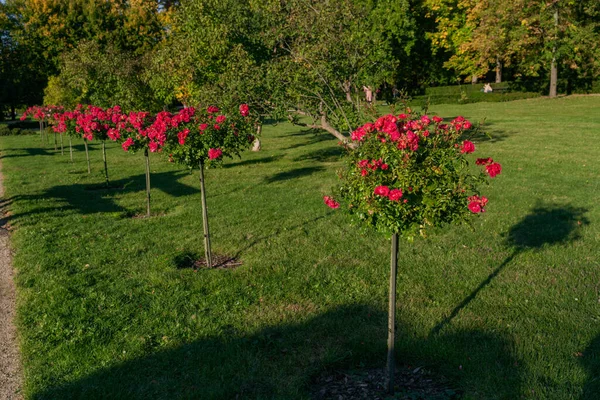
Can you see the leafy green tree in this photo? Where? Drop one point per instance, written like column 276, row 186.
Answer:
column 91, row 74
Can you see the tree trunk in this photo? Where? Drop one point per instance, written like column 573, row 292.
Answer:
column 13, row 113
column 207, row 253
column 62, row 149
column 346, row 86
column 87, row 155
column 147, row 182
column 55, row 142
column 553, row 67
column 256, row 144
column 474, row 79
column 71, row 148
column 391, row 363
column 498, row 70
column 104, row 159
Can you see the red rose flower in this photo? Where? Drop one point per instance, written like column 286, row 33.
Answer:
column 212, row 109
column 330, row 202
column 493, row 169
column 214, row 153
column 475, row 207
column 477, row 203
column 244, row 110
column 220, row 119
column 382, row 191
column 483, row 161
column 395, row 194
column 202, row 127
column 467, row 147
column 126, row 144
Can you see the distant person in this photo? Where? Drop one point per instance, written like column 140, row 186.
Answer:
column 487, row 88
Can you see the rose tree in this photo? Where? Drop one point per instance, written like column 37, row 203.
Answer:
column 203, row 138
column 407, row 174
column 143, row 131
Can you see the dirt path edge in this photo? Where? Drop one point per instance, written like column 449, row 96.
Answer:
column 10, row 365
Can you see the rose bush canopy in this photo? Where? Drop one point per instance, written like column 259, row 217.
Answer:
column 411, row 172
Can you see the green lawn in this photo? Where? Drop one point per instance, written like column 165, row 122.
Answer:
column 108, row 307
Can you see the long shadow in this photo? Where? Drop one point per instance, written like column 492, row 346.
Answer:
column 29, row 151
column 294, row 173
column 244, row 163
column 281, row 361
column 545, row 225
column 329, row 154
column 86, row 199
column 591, row 362
column 314, row 137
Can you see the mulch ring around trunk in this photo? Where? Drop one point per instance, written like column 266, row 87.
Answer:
column 410, row 383
column 193, row 261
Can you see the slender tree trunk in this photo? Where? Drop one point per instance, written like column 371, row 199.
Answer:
column 498, row 70
column 391, row 363
column 87, row 155
column 104, row 159
column 553, row 67
column 55, row 142
column 256, row 145
column 207, row 252
column 346, row 86
column 13, row 113
column 147, row 182
column 71, row 148
column 62, row 148
column 474, row 79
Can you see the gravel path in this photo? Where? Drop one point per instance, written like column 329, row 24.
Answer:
column 10, row 368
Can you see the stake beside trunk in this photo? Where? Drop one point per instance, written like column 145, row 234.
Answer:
column 71, row 148
column 207, row 252
column 391, row 363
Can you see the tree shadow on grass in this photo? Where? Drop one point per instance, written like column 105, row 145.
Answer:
column 281, row 361
column 255, row 161
column 28, row 152
column 329, row 154
column 313, row 137
column 86, row 199
column 590, row 359
column 545, row 225
column 294, row 173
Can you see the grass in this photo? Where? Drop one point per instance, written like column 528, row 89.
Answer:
column 107, row 308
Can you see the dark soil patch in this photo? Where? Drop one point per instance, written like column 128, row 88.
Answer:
column 410, row 383
column 194, row 261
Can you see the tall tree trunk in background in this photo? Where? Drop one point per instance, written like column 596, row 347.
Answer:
column 553, row 67
column 474, row 79
column 346, row 87
column 498, row 70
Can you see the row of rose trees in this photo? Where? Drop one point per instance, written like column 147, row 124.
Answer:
column 44, row 115
column 406, row 174
column 196, row 138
